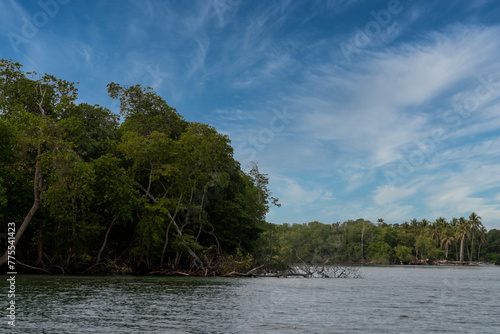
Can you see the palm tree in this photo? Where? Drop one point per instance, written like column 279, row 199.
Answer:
column 423, row 228
column 482, row 239
column 463, row 232
column 405, row 225
column 424, row 222
column 447, row 239
column 454, row 230
column 437, row 229
column 475, row 224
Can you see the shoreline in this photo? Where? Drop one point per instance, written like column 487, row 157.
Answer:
column 177, row 273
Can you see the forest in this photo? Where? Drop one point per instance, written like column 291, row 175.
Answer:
column 92, row 192
column 459, row 241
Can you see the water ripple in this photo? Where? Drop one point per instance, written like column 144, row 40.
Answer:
column 387, row 300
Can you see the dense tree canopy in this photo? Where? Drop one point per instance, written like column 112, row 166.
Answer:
column 361, row 241
column 89, row 193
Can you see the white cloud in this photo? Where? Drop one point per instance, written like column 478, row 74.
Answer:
column 380, row 106
column 387, row 194
column 86, row 51
column 293, row 193
column 232, row 114
column 10, row 16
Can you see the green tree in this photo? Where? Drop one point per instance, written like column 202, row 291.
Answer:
column 115, row 197
column 461, row 233
column 32, row 106
column 91, row 130
column 145, row 112
column 403, row 253
column 68, row 198
column 493, row 246
column 447, row 240
column 475, row 225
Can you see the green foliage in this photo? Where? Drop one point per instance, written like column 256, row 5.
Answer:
column 239, row 262
column 3, row 192
column 7, row 141
column 144, row 111
column 361, row 241
column 492, row 248
column 149, row 231
column 68, row 200
column 151, row 191
column 402, row 253
column 90, row 129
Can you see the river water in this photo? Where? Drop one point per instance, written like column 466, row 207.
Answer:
column 394, row 299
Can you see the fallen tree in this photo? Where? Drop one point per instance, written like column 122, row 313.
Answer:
column 312, row 271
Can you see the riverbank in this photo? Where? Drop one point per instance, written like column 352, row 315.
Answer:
column 464, row 263
column 433, row 263
column 259, row 270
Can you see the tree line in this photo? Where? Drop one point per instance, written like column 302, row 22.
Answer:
column 146, row 191
column 91, row 193
column 360, row 241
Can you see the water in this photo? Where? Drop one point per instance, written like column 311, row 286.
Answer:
column 388, row 300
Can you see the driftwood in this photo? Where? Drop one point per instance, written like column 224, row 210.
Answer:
column 31, row 267
column 247, row 274
column 311, row 271
column 168, row 273
column 318, row 272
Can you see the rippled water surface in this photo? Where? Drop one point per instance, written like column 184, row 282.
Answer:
column 386, row 300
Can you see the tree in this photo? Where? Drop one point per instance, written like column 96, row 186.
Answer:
column 461, row 233
column 32, row 106
column 261, row 181
column 454, row 226
column 6, row 156
column 68, row 199
column 154, row 190
column 90, row 130
column 116, row 196
column 403, row 253
column 446, row 240
column 144, row 111
column 436, row 229
column 362, row 240
column 482, row 240
column 493, row 246
column 475, row 225
column 189, row 179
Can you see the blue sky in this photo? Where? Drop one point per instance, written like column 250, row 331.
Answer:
column 355, row 109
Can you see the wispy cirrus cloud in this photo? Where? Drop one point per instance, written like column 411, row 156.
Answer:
column 374, row 114
column 233, row 63
column 386, row 99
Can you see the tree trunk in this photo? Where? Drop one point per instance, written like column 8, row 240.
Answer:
column 39, row 260
column 472, row 246
column 168, row 229
column 105, row 241
column 38, row 192
column 362, row 235
column 200, row 216
column 190, row 251
column 462, row 250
